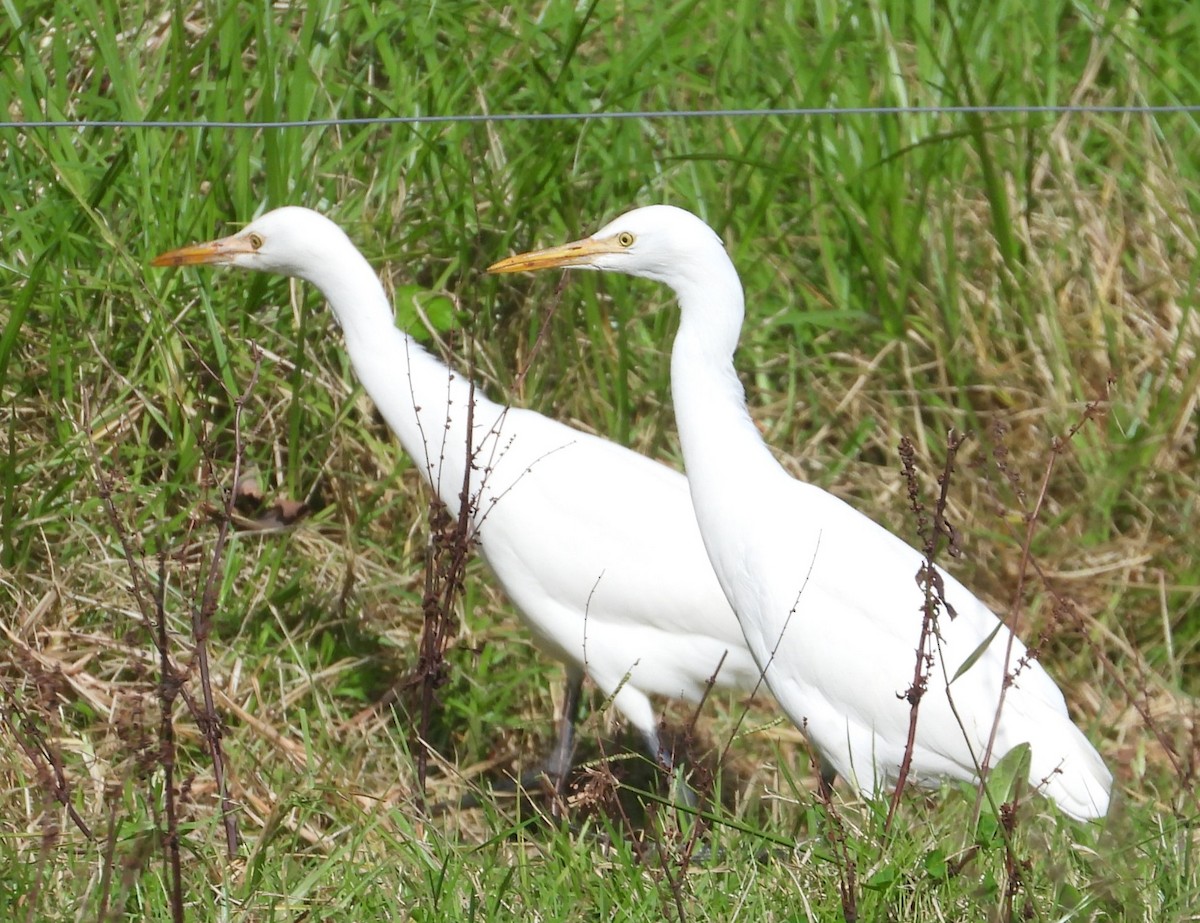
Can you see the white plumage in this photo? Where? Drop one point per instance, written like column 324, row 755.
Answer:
column 828, row 599
column 596, row 545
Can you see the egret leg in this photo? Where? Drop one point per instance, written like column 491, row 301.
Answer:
column 558, row 764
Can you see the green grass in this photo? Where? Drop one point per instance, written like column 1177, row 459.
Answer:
column 905, row 274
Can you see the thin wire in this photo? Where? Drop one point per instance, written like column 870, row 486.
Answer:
column 486, row 118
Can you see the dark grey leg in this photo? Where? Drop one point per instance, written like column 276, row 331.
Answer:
column 558, row 764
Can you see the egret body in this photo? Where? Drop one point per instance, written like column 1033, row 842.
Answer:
column 826, row 597
column 596, row 545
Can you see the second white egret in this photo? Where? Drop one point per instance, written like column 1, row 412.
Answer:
column 826, row 597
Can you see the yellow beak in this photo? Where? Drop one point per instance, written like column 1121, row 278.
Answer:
column 575, row 254
column 222, row 250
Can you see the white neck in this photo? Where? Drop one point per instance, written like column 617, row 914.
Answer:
column 726, row 458
column 423, row 401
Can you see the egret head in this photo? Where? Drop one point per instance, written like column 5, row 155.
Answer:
column 291, row 241
column 659, row 242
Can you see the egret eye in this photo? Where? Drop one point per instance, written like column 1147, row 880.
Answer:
column 625, row 239
column 256, row 241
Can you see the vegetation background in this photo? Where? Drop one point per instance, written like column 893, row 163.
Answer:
column 907, row 274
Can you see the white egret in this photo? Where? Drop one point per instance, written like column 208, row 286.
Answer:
column 596, row 545
column 826, row 597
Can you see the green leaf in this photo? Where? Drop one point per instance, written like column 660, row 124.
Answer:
column 884, row 879
column 935, row 864
column 977, row 653
column 1010, row 772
